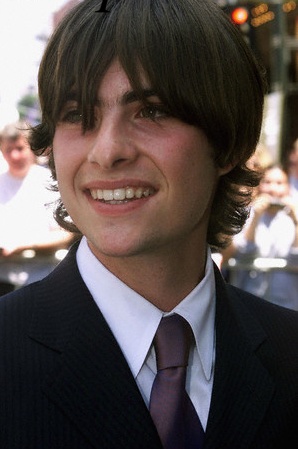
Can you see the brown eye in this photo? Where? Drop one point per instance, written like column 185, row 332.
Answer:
column 72, row 117
column 154, row 112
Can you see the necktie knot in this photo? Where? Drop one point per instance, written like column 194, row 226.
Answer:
column 172, row 342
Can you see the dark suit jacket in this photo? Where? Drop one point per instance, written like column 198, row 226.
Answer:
column 66, row 385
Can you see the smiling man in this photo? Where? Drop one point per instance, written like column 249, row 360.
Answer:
column 135, row 176
column 149, row 115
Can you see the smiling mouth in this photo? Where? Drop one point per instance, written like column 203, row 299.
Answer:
column 122, row 195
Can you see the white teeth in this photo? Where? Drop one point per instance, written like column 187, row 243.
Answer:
column 99, row 194
column 139, row 192
column 108, row 195
column 122, row 194
column 119, row 194
column 129, row 193
column 94, row 194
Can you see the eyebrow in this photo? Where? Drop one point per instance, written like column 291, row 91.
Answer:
column 132, row 96
column 126, row 98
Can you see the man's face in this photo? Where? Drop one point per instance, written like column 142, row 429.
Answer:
column 18, row 156
column 141, row 181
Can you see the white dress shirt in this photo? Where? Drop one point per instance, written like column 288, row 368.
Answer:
column 134, row 321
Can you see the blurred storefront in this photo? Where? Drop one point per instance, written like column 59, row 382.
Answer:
column 271, row 29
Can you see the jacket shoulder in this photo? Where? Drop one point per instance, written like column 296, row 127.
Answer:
column 279, row 323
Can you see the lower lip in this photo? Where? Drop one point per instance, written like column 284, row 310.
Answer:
column 117, row 209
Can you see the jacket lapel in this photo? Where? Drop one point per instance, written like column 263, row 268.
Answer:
column 92, row 382
column 242, row 386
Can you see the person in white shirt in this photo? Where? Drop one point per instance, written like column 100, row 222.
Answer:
column 26, row 211
column 151, row 109
column 270, row 232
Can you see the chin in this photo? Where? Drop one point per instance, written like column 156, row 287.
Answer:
column 115, row 250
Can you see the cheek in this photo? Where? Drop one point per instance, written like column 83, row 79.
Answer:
column 66, row 155
column 283, row 191
column 59, row 161
column 193, row 185
column 197, row 172
column 184, row 154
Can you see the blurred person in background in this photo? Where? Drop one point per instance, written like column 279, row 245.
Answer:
column 259, row 161
column 270, row 232
column 26, row 212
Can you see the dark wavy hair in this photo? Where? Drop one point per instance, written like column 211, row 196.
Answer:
column 196, row 61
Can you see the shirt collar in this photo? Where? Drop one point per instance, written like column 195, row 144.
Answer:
column 133, row 319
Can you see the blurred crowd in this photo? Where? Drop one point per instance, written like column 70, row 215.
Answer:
column 29, row 234
column 263, row 257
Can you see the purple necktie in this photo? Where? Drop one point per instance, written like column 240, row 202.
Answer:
column 172, row 411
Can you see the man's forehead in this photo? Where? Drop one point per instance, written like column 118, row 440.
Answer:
column 14, row 139
column 17, row 144
column 118, row 98
column 116, row 86
column 115, row 89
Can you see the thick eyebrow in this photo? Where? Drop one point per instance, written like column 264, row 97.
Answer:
column 129, row 97
column 132, row 96
column 126, row 98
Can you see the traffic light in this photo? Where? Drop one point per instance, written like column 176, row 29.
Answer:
column 240, row 16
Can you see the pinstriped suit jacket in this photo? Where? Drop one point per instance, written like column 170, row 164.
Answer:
column 64, row 383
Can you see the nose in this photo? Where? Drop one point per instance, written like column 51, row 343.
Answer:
column 15, row 154
column 111, row 145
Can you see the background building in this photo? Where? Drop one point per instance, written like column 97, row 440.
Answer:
column 271, row 29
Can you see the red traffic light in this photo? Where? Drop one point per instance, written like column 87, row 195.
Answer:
column 239, row 15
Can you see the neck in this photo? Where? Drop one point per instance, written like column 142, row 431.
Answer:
column 20, row 174
column 164, row 280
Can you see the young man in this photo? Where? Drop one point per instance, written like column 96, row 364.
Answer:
column 150, row 112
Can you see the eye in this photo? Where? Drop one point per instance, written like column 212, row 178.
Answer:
column 71, row 113
column 154, row 112
column 71, row 116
